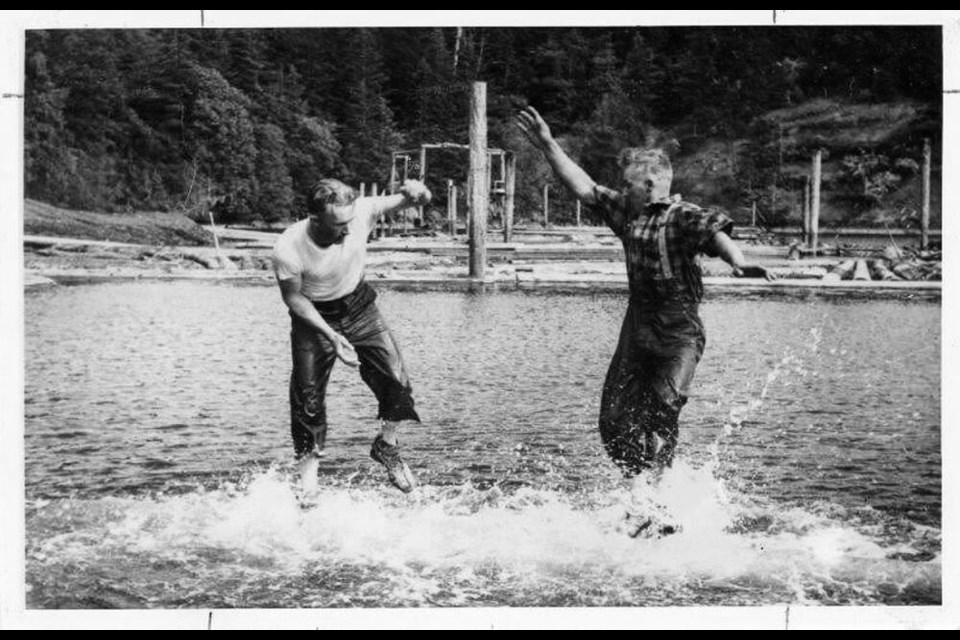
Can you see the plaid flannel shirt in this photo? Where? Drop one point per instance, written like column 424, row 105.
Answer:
column 662, row 242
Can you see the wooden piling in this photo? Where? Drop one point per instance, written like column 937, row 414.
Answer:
column 216, row 239
column 468, row 214
column 509, row 200
column 374, row 192
column 579, row 207
column 479, row 170
column 423, row 179
column 806, row 210
column 546, row 205
column 925, row 212
column 451, row 208
column 815, row 202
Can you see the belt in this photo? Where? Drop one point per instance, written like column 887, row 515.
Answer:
column 356, row 300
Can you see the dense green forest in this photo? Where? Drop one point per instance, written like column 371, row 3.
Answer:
column 124, row 120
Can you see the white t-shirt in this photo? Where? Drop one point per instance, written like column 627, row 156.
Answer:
column 330, row 272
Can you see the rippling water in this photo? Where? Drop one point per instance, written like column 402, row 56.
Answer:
column 158, row 468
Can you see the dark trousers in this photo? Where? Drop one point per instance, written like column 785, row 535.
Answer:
column 647, row 383
column 358, row 319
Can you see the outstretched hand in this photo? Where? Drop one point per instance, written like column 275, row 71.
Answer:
column 754, row 271
column 534, row 127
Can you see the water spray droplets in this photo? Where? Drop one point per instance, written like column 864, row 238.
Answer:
column 790, row 365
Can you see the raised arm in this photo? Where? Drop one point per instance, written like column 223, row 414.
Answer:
column 301, row 306
column 575, row 178
column 413, row 193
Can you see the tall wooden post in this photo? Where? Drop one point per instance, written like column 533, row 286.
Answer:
column 546, row 205
column 468, row 214
column 393, row 172
column 216, row 239
column 363, row 189
column 925, row 212
column 815, row 203
column 423, row 178
column 806, row 210
column 451, row 208
column 510, row 188
column 579, row 208
column 374, row 192
column 479, row 170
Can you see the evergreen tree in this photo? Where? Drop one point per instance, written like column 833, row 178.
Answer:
column 274, row 197
column 312, row 153
column 641, row 76
column 553, row 90
column 246, row 60
column 142, row 119
column 47, row 161
column 221, row 142
column 368, row 135
column 441, row 99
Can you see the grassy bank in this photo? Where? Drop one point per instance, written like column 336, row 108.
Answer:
column 153, row 228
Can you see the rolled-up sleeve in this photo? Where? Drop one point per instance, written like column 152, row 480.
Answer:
column 285, row 265
column 699, row 226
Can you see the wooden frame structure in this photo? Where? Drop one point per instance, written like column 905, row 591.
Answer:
column 501, row 179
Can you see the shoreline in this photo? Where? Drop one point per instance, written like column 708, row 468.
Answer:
column 581, row 265
column 547, row 281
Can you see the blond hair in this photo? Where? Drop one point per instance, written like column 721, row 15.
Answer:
column 330, row 191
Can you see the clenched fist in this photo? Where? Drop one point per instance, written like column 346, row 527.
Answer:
column 416, row 192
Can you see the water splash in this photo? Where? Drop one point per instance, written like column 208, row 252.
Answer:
column 253, row 544
column 793, row 362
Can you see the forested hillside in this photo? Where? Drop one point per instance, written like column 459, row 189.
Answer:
column 166, row 120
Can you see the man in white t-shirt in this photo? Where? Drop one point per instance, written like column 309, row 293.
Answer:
column 319, row 264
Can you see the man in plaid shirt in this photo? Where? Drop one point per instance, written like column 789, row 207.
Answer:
column 662, row 337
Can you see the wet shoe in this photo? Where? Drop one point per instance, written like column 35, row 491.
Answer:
column 649, row 526
column 389, row 456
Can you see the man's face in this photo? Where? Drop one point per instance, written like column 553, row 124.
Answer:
column 333, row 224
column 647, row 178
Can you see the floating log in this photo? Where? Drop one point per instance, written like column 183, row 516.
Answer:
column 801, row 273
column 908, row 271
column 893, row 253
column 845, row 269
column 210, row 262
column 861, row 271
column 880, row 271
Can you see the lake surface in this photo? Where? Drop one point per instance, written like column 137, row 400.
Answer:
column 159, row 475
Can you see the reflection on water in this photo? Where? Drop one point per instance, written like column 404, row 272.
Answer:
column 157, row 457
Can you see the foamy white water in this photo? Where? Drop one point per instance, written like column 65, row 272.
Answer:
column 464, row 546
